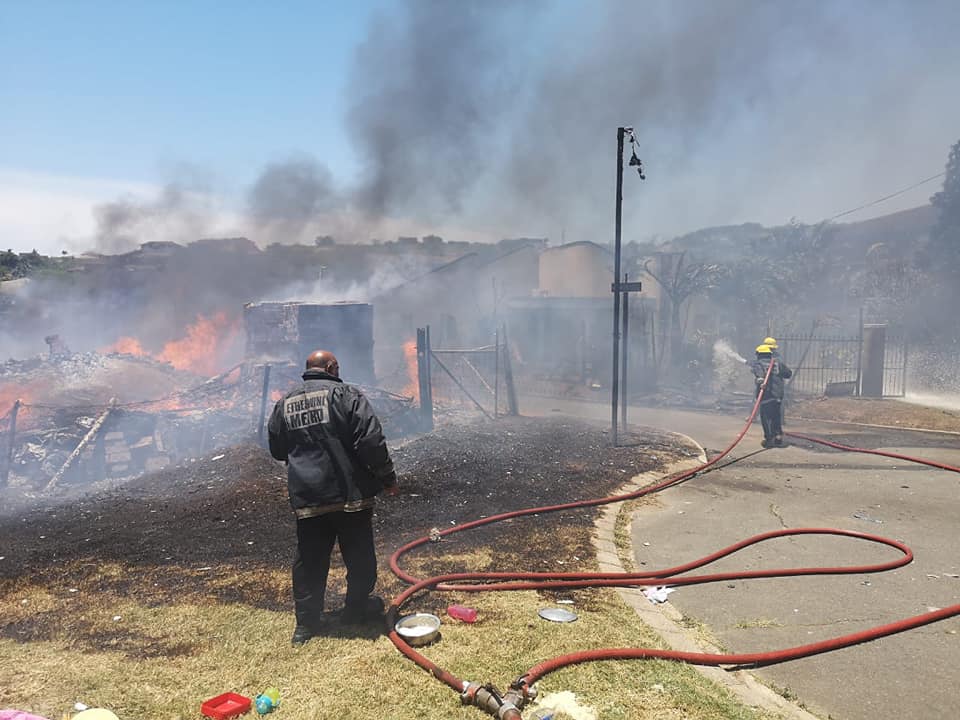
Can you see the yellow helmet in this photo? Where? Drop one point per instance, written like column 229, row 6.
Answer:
column 764, row 350
column 772, row 342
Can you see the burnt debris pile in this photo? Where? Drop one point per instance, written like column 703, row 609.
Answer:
column 71, row 420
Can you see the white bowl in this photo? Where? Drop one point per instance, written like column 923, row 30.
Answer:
column 418, row 629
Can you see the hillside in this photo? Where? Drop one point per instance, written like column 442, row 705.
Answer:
column 901, row 232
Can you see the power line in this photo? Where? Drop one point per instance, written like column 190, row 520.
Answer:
column 886, row 197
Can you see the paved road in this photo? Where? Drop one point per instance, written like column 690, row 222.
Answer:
column 910, row 675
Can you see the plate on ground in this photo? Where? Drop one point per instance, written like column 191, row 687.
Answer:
column 557, row 615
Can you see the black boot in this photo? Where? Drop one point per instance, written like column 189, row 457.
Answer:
column 301, row 634
column 372, row 611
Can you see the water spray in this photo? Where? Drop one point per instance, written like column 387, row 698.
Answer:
column 727, row 364
column 722, row 348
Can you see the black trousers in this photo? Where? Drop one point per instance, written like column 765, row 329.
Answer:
column 353, row 531
column 771, row 419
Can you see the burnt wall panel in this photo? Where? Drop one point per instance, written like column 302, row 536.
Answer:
column 291, row 331
column 346, row 330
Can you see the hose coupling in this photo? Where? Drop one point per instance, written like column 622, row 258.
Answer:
column 469, row 692
column 520, row 685
column 488, row 698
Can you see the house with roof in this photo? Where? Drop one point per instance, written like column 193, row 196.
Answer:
column 462, row 300
column 565, row 330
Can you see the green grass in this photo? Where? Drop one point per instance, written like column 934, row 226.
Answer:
column 161, row 660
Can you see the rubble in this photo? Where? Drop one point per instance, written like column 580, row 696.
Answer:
column 83, row 417
column 68, row 433
column 69, row 419
column 74, row 364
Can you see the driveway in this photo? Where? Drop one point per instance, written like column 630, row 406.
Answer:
column 915, row 674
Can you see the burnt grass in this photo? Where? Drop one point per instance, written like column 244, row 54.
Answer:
column 219, row 529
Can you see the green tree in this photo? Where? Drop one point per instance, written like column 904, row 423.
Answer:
column 9, row 263
column 944, row 248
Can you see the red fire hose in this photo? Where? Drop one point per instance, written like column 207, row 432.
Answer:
column 883, row 453
column 506, row 707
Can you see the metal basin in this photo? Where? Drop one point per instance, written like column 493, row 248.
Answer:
column 418, row 629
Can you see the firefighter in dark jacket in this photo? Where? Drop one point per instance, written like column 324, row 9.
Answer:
column 772, row 399
column 337, row 463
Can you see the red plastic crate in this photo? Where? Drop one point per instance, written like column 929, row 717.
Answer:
column 226, row 706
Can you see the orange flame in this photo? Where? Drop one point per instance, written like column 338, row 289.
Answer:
column 413, row 381
column 9, row 394
column 203, row 348
column 13, row 391
column 126, row 346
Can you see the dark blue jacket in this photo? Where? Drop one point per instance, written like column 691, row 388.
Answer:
column 333, row 443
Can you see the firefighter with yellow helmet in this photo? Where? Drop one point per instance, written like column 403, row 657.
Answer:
column 771, row 400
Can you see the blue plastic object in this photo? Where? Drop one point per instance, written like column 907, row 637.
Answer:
column 267, row 701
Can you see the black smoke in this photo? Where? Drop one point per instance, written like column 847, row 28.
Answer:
column 432, row 87
column 288, row 195
column 179, row 212
column 503, row 114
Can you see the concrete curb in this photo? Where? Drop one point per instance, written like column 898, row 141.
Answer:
column 878, row 427
column 665, row 619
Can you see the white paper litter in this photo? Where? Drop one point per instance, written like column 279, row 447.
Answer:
column 658, row 594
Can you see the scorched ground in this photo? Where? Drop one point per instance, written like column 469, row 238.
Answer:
column 204, row 530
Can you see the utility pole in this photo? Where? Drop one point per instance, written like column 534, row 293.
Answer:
column 625, row 300
column 619, row 286
column 616, row 295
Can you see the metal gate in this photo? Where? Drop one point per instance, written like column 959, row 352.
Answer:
column 480, row 378
column 822, row 364
column 895, row 364
column 833, row 364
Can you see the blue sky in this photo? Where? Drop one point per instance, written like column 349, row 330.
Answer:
column 475, row 120
column 129, row 89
